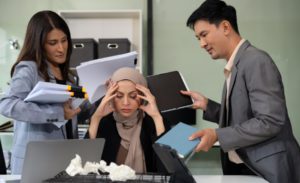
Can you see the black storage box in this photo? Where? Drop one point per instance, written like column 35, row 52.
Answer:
column 83, row 50
column 110, row 47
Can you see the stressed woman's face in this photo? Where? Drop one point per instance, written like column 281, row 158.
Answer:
column 126, row 101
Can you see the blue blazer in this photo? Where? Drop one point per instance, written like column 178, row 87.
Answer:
column 256, row 123
column 32, row 121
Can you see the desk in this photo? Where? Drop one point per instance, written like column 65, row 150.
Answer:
column 228, row 179
column 10, row 178
column 198, row 178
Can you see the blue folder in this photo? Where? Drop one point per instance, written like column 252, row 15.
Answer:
column 177, row 139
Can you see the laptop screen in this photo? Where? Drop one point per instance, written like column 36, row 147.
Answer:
column 45, row 159
column 173, row 164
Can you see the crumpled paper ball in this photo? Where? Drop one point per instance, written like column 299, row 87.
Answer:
column 120, row 173
column 116, row 173
column 75, row 166
column 90, row 167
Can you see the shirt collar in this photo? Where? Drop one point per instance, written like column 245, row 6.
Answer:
column 228, row 66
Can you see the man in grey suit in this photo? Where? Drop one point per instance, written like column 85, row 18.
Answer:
column 255, row 132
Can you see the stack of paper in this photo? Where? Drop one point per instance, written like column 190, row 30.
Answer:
column 94, row 74
column 46, row 92
column 177, row 139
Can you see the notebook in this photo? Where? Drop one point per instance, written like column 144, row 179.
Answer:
column 45, row 159
column 177, row 138
column 166, row 89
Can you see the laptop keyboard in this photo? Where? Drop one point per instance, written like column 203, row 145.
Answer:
column 92, row 178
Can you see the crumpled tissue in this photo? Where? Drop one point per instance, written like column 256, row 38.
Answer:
column 116, row 173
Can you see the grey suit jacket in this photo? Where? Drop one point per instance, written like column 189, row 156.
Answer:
column 32, row 121
column 256, row 123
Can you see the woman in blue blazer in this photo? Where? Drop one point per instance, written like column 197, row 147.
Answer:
column 45, row 56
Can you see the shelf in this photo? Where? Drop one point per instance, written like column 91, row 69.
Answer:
column 107, row 24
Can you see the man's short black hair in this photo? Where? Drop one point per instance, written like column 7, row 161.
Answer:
column 214, row 11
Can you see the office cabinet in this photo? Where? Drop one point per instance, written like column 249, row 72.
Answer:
column 83, row 50
column 106, row 24
column 109, row 47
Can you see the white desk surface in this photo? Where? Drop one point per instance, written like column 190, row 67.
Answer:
column 228, row 179
column 198, row 178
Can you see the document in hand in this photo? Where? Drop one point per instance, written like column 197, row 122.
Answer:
column 177, row 139
column 46, row 92
column 94, row 74
column 166, row 89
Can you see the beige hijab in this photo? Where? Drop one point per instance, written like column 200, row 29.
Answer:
column 129, row 129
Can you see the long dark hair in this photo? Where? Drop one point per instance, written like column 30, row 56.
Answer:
column 38, row 27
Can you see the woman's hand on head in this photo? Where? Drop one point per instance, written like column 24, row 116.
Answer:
column 150, row 107
column 69, row 112
column 106, row 107
column 148, row 102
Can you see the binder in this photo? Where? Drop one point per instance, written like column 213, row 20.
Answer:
column 166, row 89
column 46, row 92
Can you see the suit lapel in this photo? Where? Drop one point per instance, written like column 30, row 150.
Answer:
column 234, row 72
column 232, row 80
column 235, row 63
column 222, row 120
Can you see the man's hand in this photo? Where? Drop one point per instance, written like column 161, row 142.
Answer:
column 207, row 136
column 200, row 101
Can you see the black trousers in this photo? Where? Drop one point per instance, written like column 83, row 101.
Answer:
column 230, row 168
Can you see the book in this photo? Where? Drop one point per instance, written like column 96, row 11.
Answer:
column 46, row 92
column 166, row 89
column 94, row 74
column 177, row 139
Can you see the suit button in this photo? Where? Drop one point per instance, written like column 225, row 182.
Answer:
column 48, row 120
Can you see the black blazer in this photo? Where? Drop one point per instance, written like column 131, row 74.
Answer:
column 108, row 130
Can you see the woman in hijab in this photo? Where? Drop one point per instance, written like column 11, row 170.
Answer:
column 129, row 120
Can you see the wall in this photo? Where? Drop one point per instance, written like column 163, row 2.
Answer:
column 272, row 25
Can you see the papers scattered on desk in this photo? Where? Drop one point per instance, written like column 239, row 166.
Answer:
column 94, row 74
column 177, row 139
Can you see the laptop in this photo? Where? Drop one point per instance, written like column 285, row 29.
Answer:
column 45, row 159
column 166, row 89
column 173, row 164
